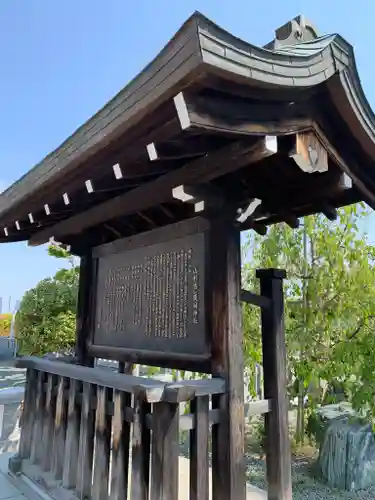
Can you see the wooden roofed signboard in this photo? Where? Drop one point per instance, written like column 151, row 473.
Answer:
column 214, row 127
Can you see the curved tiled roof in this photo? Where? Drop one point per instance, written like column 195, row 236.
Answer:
column 202, row 47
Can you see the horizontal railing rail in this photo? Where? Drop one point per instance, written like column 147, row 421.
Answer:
column 153, row 390
column 107, row 435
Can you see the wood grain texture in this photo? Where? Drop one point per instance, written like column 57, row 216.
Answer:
column 199, row 466
column 120, row 447
column 72, row 437
column 231, row 115
column 103, row 423
column 83, row 310
column 141, row 441
column 278, row 454
column 161, row 235
column 60, row 429
column 186, row 390
column 152, row 389
column 309, row 153
column 38, row 410
column 28, row 414
column 254, row 299
column 228, row 468
column 86, row 443
column 165, row 452
column 194, row 362
column 49, row 423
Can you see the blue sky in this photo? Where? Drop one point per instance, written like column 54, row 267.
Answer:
column 61, row 61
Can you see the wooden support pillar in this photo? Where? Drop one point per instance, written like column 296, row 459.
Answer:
column 228, row 468
column 85, row 291
column 275, row 386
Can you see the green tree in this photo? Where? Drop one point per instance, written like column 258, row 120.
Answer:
column 46, row 319
column 330, row 304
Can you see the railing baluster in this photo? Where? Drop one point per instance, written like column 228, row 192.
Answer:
column 199, row 467
column 36, row 443
column 28, row 414
column 86, row 443
column 60, row 429
column 102, row 446
column 48, row 424
column 140, row 451
column 165, row 451
column 85, row 421
column 120, row 447
column 72, row 438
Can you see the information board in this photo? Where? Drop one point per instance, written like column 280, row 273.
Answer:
column 152, row 298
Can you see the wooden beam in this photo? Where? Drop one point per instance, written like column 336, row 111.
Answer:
column 220, row 162
column 279, row 206
column 254, row 299
column 231, row 115
column 178, row 150
column 113, row 230
column 256, row 226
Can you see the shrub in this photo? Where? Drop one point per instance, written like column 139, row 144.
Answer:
column 5, row 323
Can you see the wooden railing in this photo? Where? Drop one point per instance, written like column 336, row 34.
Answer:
column 106, row 435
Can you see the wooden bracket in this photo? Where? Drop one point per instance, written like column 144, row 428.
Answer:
column 292, row 221
column 309, row 153
column 202, row 197
column 330, row 212
column 243, row 215
column 254, row 299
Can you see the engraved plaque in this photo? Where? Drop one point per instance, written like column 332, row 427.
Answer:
column 151, row 298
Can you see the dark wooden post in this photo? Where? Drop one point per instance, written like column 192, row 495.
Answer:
column 85, row 291
column 275, row 384
column 86, row 442
column 199, row 436
column 228, row 468
column 141, row 442
column 164, row 479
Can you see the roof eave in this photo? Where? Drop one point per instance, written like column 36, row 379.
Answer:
column 172, row 69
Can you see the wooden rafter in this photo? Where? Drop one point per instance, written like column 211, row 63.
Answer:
column 130, row 153
column 204, row 169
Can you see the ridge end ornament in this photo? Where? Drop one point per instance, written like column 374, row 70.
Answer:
column 297, row 30
column 309, row 153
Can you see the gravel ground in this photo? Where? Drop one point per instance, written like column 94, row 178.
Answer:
column 305, row 485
